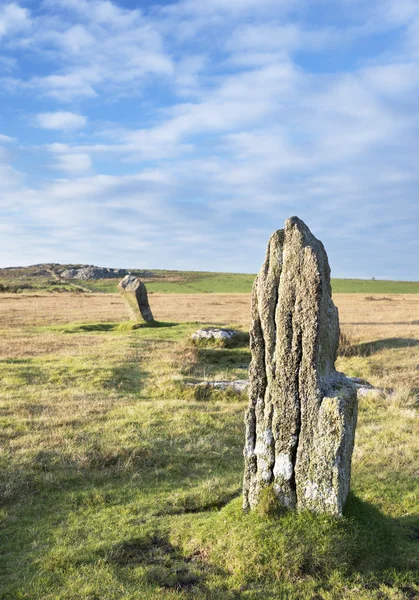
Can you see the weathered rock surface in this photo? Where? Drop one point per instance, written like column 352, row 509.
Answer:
column 215, row 333
column 135, row 297
column 300, row 424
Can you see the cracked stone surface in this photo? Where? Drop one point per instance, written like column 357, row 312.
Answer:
column 135, row 297
column 301, row 419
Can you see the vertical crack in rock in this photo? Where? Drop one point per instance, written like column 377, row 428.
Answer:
column 294, row 450
column 300, row 424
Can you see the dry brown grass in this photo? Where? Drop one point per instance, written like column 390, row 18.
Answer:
column 362, row 316
column 17, row 310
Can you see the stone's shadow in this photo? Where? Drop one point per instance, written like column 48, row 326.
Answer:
column 164, row 564
column 221, row 356
column 124, row 326
column 379, row 540
column 126, row 378
column 191, row 504
column 155, row 324
column 370, row 348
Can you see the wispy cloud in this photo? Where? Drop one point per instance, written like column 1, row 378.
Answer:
column 95, row 45
column 60, row 120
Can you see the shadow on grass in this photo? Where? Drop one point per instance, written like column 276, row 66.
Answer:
column 224, row 357
column 192, row 503
column 128, row 377
column 55, row 489
column 125, row 326
column 384, row 547
column 164, row 565
column 369, row 348
column 366, row 547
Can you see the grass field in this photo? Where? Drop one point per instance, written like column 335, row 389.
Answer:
column 117, row 481
column 46, row 279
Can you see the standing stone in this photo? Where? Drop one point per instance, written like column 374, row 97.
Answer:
column 135, row 297
column 300, row 424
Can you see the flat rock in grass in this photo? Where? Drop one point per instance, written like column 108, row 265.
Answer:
column 239, row 385
column 135, row 297
column 300, row 424
column 364, row 388
column 214, row 333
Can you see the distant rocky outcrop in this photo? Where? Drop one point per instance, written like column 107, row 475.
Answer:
column 300, row 424
column 91, row 272
column 134, row 293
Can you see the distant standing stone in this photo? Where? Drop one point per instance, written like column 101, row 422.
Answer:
column 135, row 297
column 300, row 424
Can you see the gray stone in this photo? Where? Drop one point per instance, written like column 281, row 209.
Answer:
column 238, row 385
column 364, row 388
column 300, row 424
column 215, row 333
column 135, row 297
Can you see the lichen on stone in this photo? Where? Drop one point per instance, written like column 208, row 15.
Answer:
column 295, row 393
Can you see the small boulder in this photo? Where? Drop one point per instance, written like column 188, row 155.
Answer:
column 215, row 333
column 364, row 388
column 135, row 297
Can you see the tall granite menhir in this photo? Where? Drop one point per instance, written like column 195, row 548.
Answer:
column 300, row 424
column 135, row 297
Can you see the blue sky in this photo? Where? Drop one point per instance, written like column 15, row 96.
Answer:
column 181, row 134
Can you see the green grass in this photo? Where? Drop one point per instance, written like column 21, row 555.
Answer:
column 26, row 279
column 369, row 286
column 239, row 283
column 116, row 482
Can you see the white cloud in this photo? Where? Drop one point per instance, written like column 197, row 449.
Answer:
column 61, row 120
column 13, row 19
column 73, row 164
